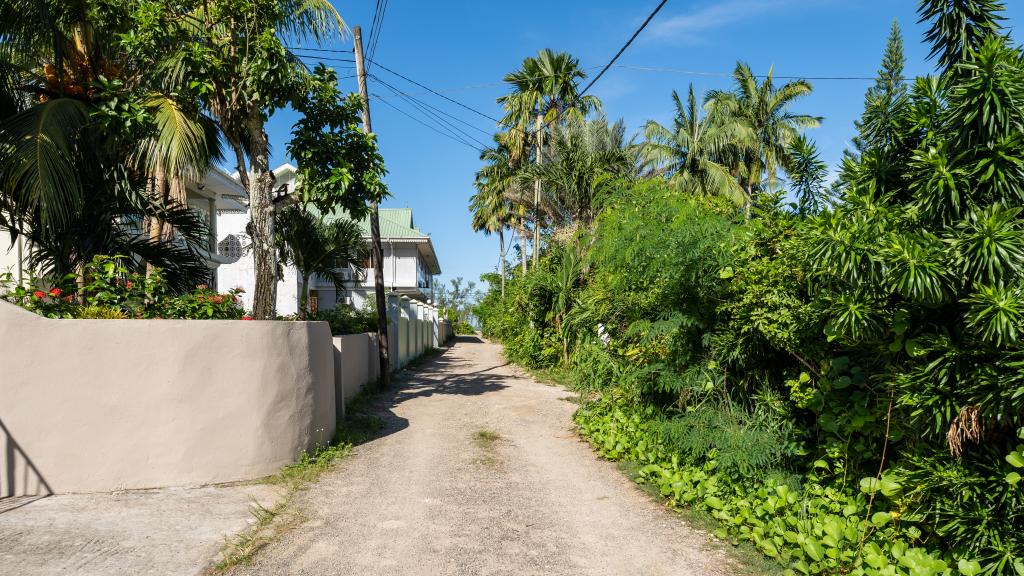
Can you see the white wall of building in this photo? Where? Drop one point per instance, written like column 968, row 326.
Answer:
column 9, row 255
column 243, row 271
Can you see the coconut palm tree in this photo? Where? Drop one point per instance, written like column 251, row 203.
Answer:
column 490, row 215
column 73, row 111
column 699, row 151
column 318, row 246
column 500, row 176
column 765, row 110
column 545, row 92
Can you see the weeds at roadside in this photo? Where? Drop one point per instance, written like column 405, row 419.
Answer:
column 273, row 521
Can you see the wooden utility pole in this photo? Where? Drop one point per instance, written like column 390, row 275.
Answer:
column 539, row 135
column 376, row 250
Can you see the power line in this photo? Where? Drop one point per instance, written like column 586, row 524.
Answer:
column 375, row 33
column 312, row 49
column 729, row 74
column 373, row 25
column 323, row 58
column 423, row 108
column 436, row 93
column 625, row 46
column 418, row 121
column 453, row 117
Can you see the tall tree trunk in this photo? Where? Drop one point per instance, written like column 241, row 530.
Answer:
column 522, row 247
column 501, row 254
column 536, row 193
column 156, row 226
column 261, row 210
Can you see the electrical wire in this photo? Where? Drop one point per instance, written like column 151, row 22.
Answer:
column 436, row 93
column 375, row 38
column 417, row 120
column 625, row 46
column 435, row 108
column 455, row 131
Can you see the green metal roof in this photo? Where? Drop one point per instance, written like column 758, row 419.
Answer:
column 394, row 223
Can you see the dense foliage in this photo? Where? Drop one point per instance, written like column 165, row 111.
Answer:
column 836, row 380
column 113, row 290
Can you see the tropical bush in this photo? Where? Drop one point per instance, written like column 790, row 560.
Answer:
column 113, row 289
column 346, row 320
column 835, row 380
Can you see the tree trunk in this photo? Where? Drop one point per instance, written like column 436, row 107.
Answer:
column 522, row 248
column 748, row 201
column 156, row 225
column 380, row 299
column 536, row 194
column 501, row 254
column 261, row 210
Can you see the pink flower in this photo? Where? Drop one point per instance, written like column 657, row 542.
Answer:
column 217, row 299
column 202, row 287
column 39, row 294
column 239, row 289
column 55, row 292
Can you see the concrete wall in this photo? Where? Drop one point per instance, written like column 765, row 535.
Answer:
column 356, row 364
column 100, row 405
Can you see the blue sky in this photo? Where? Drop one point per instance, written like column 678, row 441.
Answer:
column 463, row 48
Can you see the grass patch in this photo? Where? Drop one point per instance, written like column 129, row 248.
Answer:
column 554, row 376
column 485, row 440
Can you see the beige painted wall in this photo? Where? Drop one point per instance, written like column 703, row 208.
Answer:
column 355, row 365
column 100, row 405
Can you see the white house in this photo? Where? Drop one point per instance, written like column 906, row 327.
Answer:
column 217, row 193
column 410, row 262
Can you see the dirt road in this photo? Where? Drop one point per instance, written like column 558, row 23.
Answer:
column 478, row 472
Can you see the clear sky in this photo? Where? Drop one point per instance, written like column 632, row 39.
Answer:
column 463, row 49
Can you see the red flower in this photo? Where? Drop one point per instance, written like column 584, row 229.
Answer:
column 39, row 294
column 128, row 285
column 55, row 292
column 239, row 289
column 217, row 299
column 246, row 317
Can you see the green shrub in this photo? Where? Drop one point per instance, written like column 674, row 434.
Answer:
column 113, row 289
column 345, row 320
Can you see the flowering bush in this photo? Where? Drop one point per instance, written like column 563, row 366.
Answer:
column 113, row 289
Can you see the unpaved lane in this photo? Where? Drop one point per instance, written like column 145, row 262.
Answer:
column 433, row 497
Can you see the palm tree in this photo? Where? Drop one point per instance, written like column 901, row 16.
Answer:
column 807, row 175
column 318, row 246
column 698, row 153
column 587, row 158
column 179, row 152
column 545, row 91
column 71, row 120
column 490, row 215
column 765, row 110
column 500, row 177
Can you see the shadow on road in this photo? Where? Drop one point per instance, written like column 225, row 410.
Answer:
column 437, row 374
